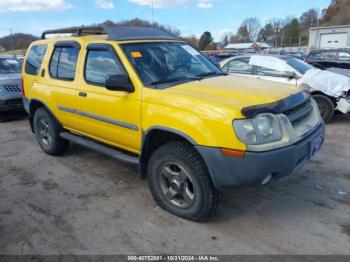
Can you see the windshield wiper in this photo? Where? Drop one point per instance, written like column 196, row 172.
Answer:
column 170, row 80
column 212, row 74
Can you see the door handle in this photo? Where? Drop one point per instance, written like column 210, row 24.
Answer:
column 82, row 94
column 43, row 73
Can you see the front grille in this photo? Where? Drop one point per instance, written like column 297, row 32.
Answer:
column 299, row 113
column 12, row 88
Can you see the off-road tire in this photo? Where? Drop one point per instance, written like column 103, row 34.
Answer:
column 206, row 197
column 57, row 145
column 326, row 106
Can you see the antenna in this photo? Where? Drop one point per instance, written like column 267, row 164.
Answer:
column 153, row 17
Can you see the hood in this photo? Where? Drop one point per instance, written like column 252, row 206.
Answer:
column 10, row 78
column 234, row 91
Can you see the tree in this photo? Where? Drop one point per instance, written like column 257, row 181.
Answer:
column 191, row 40
column 309, row 18
column 205, row 40
column 243, row 35
column 17, row 41
column 225, row 40
column 292, row 31
column 267, row 34
column 144, row 23
column 251, row 27
column 337, row 13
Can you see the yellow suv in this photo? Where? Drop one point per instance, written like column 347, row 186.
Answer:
column 141, row 96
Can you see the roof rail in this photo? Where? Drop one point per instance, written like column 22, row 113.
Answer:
column 119, row 33
column 76, row 31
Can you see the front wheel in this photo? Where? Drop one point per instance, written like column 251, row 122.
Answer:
column 326, row 107
column 180, row 183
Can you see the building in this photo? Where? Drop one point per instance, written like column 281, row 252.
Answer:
column 247, row 46
column 329, row 37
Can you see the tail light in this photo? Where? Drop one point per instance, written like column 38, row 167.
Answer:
column 23, row 91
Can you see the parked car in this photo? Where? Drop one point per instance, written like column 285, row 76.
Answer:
column 291, row 72
column 324, row 59
column 10, row 84
column 144, row 97
column 216, row 59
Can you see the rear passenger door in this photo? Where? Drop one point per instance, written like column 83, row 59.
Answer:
column 112, row 117
column 344, row 59
column 60, row 82
column 239, row 66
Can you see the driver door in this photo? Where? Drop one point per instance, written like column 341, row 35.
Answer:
column 112, row 117
column 273, row 75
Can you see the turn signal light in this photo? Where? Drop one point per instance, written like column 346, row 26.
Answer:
column 234, row 153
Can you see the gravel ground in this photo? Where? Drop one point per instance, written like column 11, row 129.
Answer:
column 86, row 203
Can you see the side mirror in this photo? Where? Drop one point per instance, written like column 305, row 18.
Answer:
column 290, row 75
column 119, row 83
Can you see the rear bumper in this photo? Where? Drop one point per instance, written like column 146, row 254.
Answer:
column 228, row 172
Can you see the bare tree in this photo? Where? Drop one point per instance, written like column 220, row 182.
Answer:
column 252, row 27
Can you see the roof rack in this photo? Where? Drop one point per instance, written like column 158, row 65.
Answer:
column 76, row 31
column 119, row 33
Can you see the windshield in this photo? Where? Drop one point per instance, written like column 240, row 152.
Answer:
column 168, row 63
column 9, row 66
column 298, row 65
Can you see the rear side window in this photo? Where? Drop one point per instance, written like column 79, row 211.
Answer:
column 100, row 64
column 63, row 63
column 344, row 56
column 329, row 55
column 238, row 66
column 34, row 59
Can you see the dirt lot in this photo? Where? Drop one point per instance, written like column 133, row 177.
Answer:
column 86, row 203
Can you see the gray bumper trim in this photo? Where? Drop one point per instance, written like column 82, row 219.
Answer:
column 228, row 172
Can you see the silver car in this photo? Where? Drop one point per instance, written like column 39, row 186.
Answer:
column 10, row 83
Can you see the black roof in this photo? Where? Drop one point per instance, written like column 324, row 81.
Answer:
column 119, row 33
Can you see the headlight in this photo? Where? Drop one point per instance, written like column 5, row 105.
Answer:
column 2, row 89
column 263, row 129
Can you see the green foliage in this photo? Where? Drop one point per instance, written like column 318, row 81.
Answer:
column 205, row 40
column 292, row 31
column 16, row 41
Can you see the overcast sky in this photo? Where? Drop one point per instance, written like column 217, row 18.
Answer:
column 190, row 16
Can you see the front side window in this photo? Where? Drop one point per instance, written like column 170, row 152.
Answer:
column 100, row 64
column 63, row 63
column 34, row 59
column 168, row 63
column 239, row 66
column 10, row 66
column 263, row 71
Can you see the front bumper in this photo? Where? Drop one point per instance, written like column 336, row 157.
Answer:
column 10, row 100
column 227, row 172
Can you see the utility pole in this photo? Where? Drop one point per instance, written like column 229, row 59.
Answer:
column 11, row 40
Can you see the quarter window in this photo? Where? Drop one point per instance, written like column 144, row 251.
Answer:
column 34, row 59
column 100, row 64
column 63, row 63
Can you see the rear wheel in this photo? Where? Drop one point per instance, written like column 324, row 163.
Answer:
column 326, row 107
column 180, row 183
column 47, row 131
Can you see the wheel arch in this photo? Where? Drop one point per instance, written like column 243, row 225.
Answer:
column 34, row 105
column 153, row 138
